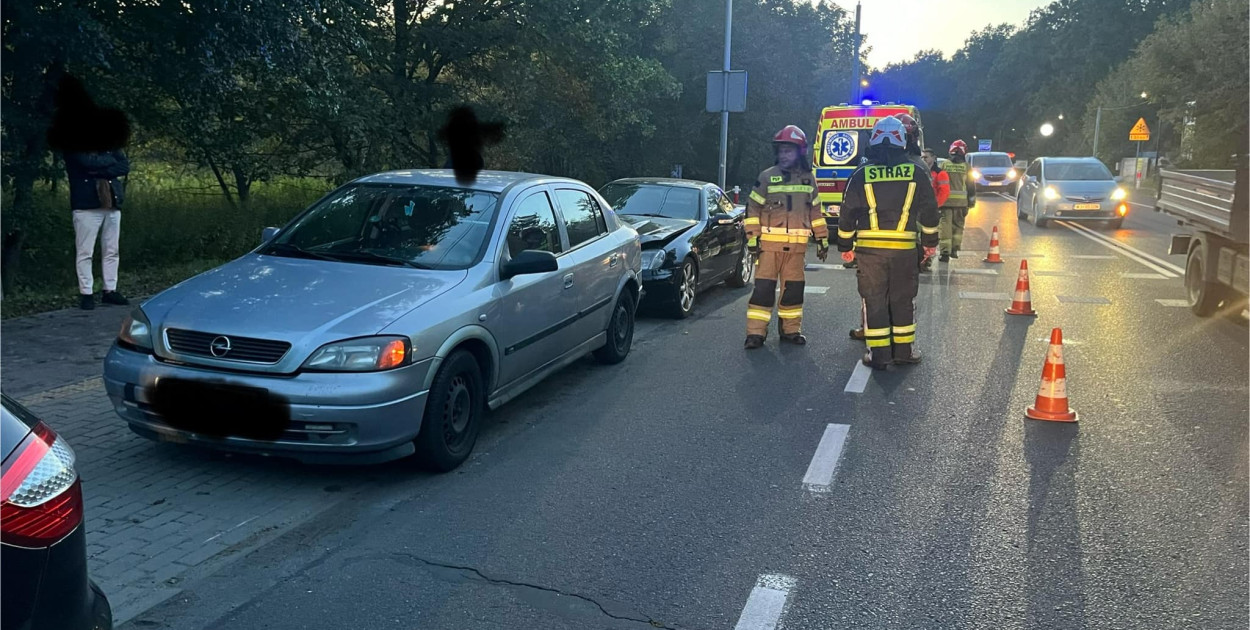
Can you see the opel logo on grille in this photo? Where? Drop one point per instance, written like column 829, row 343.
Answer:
column 220, row 346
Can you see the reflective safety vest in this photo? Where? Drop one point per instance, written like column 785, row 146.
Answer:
column 885, row 206
column 783, row 213
column 958, row 173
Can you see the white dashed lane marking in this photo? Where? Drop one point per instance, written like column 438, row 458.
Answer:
column 1173, row 303
column 825, row 461
column 975, row 272
column 1051, row 272
column 824, row 267
column 974, row 295
column 815, row 290
column 767, row 603
column 1092, row 257
column 859, row 378
column 1078, row 299
column 1143, row 276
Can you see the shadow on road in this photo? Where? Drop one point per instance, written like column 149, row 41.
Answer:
column 1055, row 577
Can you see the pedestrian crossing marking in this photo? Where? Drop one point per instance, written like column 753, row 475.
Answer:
column 1077, row 299
column 1173, row 303
column 974, row 295
column 1143, row 276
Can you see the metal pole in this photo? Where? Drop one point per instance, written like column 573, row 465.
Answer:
column 724, row 114
column 1097, row 126
column 856, row 88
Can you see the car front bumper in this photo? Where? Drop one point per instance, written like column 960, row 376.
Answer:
column 348, row 417
column 1066, row 211
column 660, row 285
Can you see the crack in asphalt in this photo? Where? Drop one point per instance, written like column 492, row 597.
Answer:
column 498, row 581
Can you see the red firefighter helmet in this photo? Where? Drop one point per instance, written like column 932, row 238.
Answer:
column 909, row 124
column 960, row 146
column 791, row 135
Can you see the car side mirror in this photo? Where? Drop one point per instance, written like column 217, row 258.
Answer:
column 268, row 233
column 1119, row 179
column 722, row 219
column 529, row 261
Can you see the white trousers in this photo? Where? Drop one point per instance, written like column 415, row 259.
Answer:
column 88, row 225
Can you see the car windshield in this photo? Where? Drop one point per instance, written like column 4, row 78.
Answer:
column 1076, row 171
column 414, row 226
column 653, row 200
column 991, row 161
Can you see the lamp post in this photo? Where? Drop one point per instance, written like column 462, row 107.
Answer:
column 724, row 115
column 1047, row 129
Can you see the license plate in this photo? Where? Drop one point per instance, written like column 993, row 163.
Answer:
column 220, row 409
column 1087, row 206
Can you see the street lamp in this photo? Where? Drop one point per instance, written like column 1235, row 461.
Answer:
column 863, row 83
column 1047, row 129
column 1060, row 116
column 1144, row 96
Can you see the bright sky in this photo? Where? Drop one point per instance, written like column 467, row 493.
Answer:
column 897, row 29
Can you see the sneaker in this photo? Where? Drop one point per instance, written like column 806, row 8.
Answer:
column 754, row 342
column 114, row 298
column 86, row 302
column 945, row 257
column 795, row 338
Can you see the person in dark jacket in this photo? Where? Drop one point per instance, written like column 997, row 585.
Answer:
column 91, row 139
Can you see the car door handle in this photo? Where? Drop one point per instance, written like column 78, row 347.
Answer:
column 568, row 281
column 613, row 259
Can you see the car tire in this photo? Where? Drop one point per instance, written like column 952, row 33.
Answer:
column 687, row 290
column 1204, row 297
column 1037, row 217
column 620, row 330
column 1116, row 224
column 453, row 414
column 744, row 272
column 1019, row 210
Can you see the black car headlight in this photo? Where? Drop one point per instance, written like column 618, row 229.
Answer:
column 652, row 260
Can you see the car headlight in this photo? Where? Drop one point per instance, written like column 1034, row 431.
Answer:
column 1119, row 194
column 655, row 260
column 1011, row 174
column 976, row 174
column 366, row 354
column 1051, row 193
column 136, row 332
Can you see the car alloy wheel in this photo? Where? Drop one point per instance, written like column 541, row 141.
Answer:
column 688, row 284
column 748, row 268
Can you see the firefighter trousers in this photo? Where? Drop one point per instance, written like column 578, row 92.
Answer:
column 888, row 282
column 773, row 266
column 951, row 229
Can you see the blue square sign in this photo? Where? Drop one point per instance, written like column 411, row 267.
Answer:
column 984, row 145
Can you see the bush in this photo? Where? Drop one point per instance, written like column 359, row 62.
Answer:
column 169, row 222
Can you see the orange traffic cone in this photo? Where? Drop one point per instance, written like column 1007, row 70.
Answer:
column 993, row 257
column 1022, row 304
column 1052, row 398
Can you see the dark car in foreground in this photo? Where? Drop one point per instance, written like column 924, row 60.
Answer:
column 1071, row 189
column 43, row 548
column 692, row 238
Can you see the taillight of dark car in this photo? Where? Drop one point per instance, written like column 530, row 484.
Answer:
column 40, row 495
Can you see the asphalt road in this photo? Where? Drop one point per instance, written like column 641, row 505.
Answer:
column 679, row 489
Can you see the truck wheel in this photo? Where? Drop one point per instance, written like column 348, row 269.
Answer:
column 1204, row 297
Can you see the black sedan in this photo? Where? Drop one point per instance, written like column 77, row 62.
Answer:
column 43, row 546
column 692, row 238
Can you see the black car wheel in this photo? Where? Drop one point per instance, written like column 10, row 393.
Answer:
column 687, row 289
column 1037, row 217
column 620, row 331
column 744, row 271
column 453, row 414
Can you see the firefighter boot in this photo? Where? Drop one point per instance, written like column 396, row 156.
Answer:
column 754, row 342
column 857, row 334
column 909, row 360
column 795, row 338
column 869, row 362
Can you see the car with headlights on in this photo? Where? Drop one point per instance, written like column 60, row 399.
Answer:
column 1072, row 189
column 992, row 170
column 692, row 238
column 43, row 540
column 383, row 320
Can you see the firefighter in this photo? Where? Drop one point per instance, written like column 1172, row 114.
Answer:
column 963, row 197
column 886, row 202
column 783, row 215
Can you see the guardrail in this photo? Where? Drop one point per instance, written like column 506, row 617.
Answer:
column 1204, row 198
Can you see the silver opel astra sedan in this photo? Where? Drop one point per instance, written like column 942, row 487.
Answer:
column 383, row 320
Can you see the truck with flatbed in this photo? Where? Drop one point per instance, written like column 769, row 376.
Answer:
column 1212, row 204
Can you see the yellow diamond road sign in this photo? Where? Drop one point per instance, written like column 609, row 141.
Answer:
column 1140, row 132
